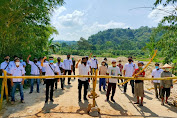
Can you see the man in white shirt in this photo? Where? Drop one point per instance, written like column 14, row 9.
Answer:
column 68, row 67
column 128, row 70
column 112, row 71
column 17, row 71
column 36, row 70
column 5, row 66
column 61, row 67
column 83, row 70
column 94, row 64
column 156, row 73
column 51, row 70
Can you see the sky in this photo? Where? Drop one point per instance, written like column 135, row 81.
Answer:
column 83, row 18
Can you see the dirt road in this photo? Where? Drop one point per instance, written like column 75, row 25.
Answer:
column 66, row 104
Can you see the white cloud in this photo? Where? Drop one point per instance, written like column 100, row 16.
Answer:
column 158, row 14
column 73, row 26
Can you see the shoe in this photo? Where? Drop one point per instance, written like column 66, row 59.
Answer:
column 22, row 101
column 99, row 89
column 141, row 104
column 38, row 92
column 107, row 99
column 123, row 92
column 104, row 89
column 79, row 100
column 86, row 99
column 51, row 100
column 30, row 92
column 136, row 103
column 112, row 100
column 69, row 83
column 46, row 101
column 162, row 104
column 62, row 89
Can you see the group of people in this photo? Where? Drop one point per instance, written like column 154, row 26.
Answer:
column 86, row 66
column 39, row 66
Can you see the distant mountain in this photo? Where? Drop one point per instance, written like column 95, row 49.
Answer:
column 66, row 42
column 121, row 39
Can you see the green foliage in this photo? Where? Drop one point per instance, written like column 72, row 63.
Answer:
column 112, row 43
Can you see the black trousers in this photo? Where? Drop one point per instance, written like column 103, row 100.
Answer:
column 69, row 73
column 113, row 87
column 9, row 88
column 80, row 83
column 56, row 83
column 49, row 84
column 131, row 83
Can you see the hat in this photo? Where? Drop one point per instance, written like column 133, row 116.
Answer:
column 119, row 61
column 113, row 60
column 167, row 66
column 140, row 62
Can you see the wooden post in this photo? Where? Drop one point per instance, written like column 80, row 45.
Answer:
column 94, row 87
column 5, row 85
column 2, row 93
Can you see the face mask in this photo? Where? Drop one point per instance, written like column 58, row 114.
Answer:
column 114, row 65
column 68, row 57
column 7, row 60
column 130, row 60
column 58, row 60
column 51, row 61
column 72, row 58
column 17, row 63
column 84, row 63
column 157, row 67
column 167, row 69
column 94, row 57
column 21, row 60
column 103, row 64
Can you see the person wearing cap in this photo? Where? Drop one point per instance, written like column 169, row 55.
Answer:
column 94, row 64
column 51, row 70
column 121, row 68
column 102, row 71
column 5, row 66
column 139, row 86
column 156, row 73
column 60, row 65
column 129, row 68
column 83, row 70
column 106, row 64
column 74, row 64
column 166, row 85
column 68, row 64
column 17, row 71
column 112, row 71
column 36, row 70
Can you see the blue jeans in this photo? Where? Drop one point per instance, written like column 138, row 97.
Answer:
column 14, row 89
column 32, row 84
column 102, row 82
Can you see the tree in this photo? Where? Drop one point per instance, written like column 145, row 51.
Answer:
column 168, row 28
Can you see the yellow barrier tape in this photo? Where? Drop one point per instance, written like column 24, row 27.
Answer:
column 142, row 69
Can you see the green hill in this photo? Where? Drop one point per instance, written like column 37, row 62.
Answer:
column 112, row 42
